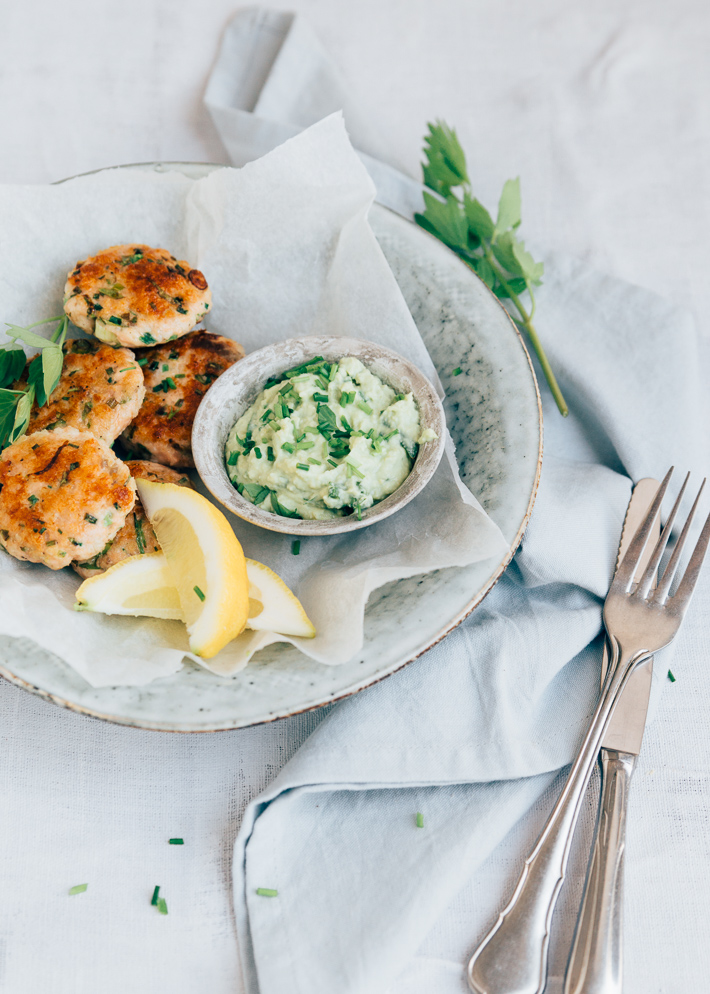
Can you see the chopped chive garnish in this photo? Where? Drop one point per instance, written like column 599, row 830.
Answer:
column 274, row 425
column 141, row 362
column 314, row 462
column 33, row 500
column 321, row 397
column 295, row 547
column 78, row 889
column 199, row 593
column 126, row 368
column 266, row 892
column 305, row 445
column 140, row 537
column 257, row 452
column 332, row 463
column 420, row 820
column 455, row 372
column 162, row 906
column 288, row 447
column 400, row 396
column 154, row 898
column 166, row 367
column 332, row 373
column 270, row 454
column 366, row 408
column 303, row 466
column 353, row 468
column 299, row 438
column 266, row 415
column 391, row 434
column 171, row 382
column 233, row 456
column 346, row 398
column 671, row 677
column 176, row 842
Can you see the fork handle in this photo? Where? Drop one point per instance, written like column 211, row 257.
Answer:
column 512, row 959
column 595, row 962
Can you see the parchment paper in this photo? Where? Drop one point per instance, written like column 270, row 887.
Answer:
column 285, row 245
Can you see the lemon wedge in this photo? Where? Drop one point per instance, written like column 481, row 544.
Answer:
column 142, row 586
column 272, row 606
column 205, row 560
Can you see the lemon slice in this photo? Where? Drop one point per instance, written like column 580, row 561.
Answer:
column 205, row 560
column 142, row 586
column 272, row 606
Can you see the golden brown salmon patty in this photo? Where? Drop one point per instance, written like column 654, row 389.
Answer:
column 100, row 390
column 63, row 496
column 136, row 295
column 137, row 536
column 177, row 376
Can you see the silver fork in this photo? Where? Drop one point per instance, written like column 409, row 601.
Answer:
column 639, row 620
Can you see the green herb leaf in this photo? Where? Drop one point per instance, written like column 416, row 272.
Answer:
column 509, row 206
column 446, row 162
column 327, row 422
column 479, row 220
column 22, row 414
column 257, row 492
column 531, row 270
column 12, row 363
column 52, row 362
column 446, row 217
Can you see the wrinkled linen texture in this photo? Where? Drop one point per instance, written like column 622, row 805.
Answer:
column 472, row 734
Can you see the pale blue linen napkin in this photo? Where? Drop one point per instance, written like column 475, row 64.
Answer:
column 471, row 734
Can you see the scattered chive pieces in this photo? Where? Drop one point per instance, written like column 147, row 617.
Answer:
column 126, row 368
column 199, row 593
column 420, row 820
column 233, row 456
column 315, row 462
column 162, row 906
column 166, row 367
column 142, row 362
column 154, row 898
column 333, row 463
column 323, row 397
column 302, row 465
column 288, row 447
column 266, row 892
column 33, row 499
column 295, row 547
column 171, row 382
column 671, row 677
column 365, row 408
column 270, row 454
column 455, row 372
column 78, row 889
column 257, row 452
column 176, row 842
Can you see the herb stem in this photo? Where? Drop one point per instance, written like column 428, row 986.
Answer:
column 525, row 321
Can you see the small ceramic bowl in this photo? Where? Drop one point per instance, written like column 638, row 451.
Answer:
column 237, row 389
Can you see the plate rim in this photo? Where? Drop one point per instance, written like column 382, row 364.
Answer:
column 437, row 637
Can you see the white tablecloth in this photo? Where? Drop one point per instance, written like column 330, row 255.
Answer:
column 603, row 112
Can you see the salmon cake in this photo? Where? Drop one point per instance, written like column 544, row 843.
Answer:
column 63, row 496
column 137, row 536
column 177, row 376
column 100, row 390
column 136, row 295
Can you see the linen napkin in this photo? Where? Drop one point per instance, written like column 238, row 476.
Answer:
column 471, row 734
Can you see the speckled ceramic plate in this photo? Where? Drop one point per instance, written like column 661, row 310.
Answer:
column 493, row 412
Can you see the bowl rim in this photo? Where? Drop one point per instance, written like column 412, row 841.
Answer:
column 247, row 377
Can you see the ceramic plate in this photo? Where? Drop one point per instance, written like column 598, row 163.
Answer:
column 494, row 415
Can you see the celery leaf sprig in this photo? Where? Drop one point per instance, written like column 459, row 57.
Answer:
column 42, row 376
column 491, row 248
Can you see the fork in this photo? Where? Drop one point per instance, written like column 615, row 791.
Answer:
column 639, row 620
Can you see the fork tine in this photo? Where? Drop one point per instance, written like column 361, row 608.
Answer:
column 646, row 581
column 627, row 567
column 660, row 594
column 685, row 590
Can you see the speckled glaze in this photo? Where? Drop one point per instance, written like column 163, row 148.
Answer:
column 238, row 388
column 493, row 413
